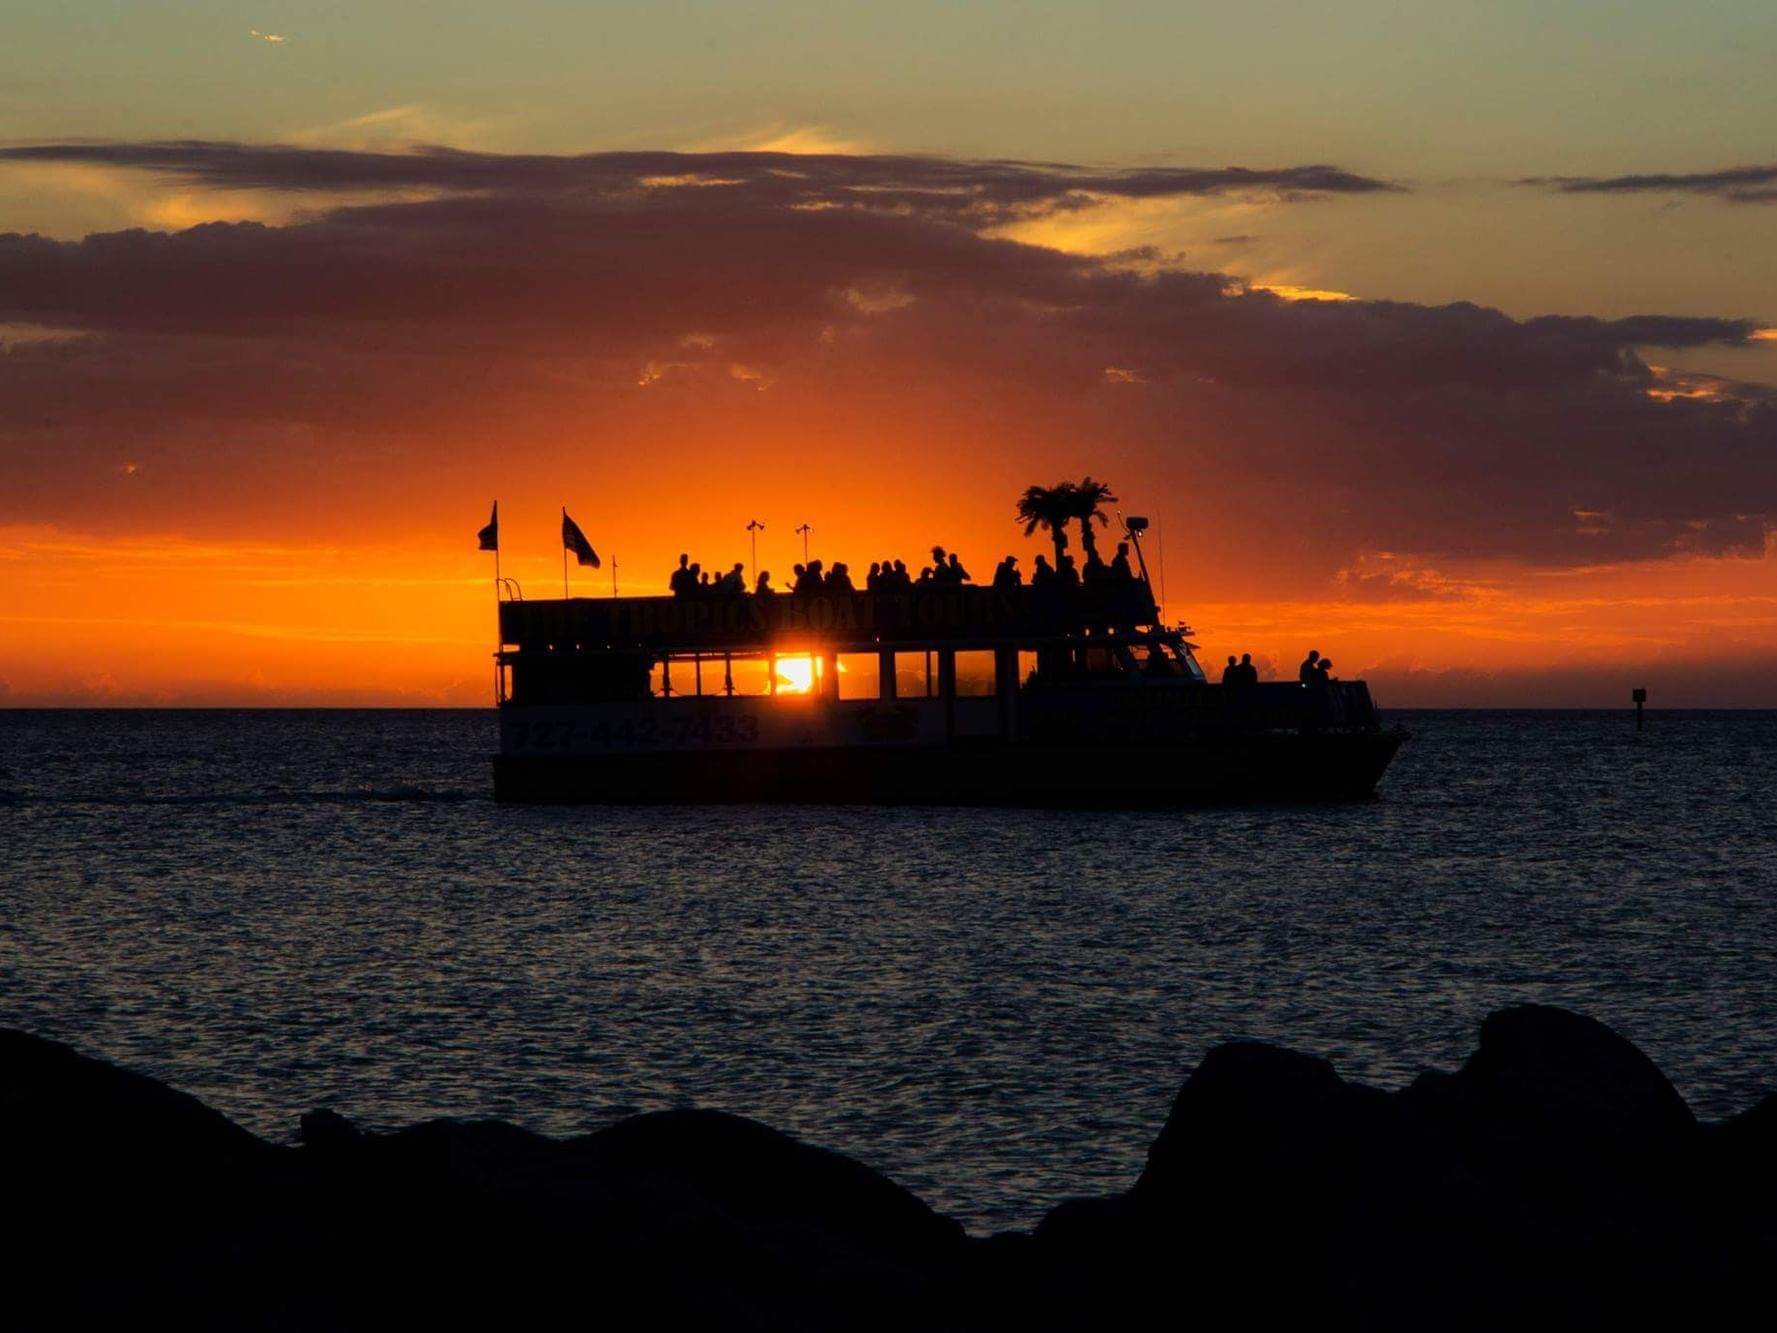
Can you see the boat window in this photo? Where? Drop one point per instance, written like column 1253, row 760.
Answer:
column 1027, row 666
column 860, row 676
column 749, row 674
column 916, row 675
column 709, row 676
column 975, row 675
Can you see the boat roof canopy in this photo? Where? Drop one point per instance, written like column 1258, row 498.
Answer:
column 743, row 622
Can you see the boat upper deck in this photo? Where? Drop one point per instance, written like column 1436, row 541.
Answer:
column 743, row 622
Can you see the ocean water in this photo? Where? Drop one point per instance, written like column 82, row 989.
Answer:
column 281, row 910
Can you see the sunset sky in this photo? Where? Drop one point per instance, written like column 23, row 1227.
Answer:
column 1439, row 337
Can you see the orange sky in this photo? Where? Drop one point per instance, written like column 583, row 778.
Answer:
column 173, row 621
column 246, row 464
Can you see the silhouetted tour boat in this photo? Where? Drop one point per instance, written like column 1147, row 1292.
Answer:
column 1052, row 695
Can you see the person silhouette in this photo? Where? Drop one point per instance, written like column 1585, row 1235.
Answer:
column 1307, row 672
column 1120, row 563
column 1249, row 674
column 681, row 582
column 958, row 575
column 903, row 580
column 763, row 587
column 873, row 579
column 1231, row 672
column 1044, row 574
column 839, row 578
column 1067, row 572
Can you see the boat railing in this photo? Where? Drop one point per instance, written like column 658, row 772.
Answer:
column 1338, row 705
column 741, row 621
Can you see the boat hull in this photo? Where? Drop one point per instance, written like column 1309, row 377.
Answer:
column 1206, row 770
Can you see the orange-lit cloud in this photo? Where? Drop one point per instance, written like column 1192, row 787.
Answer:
column 18, row 335
column 780, row 137
column 277, row 440
column 1668, row 384
column 1291, row 292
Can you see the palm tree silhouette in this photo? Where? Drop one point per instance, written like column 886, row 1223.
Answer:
column 1050, row 507
column 1085, row 503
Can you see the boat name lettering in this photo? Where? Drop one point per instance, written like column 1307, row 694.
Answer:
column 713, row 621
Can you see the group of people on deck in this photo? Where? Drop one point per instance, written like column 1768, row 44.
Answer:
column 1242, row 672
column 690, row 579
column 1314, row 671
column 1067, row 574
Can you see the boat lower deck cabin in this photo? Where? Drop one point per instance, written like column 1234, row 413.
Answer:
column 1060, row 695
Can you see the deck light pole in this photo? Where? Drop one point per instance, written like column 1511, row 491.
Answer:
column 1135, row 525
column 805, row 529
column 755, row 527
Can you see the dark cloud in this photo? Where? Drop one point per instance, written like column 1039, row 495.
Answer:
column 1740, row 185
column 934, row 185
column 524, row 302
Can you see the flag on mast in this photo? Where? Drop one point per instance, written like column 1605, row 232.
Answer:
column 572, row 539
column 489, row 537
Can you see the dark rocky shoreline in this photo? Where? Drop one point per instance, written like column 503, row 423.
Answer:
column 1556, row 1179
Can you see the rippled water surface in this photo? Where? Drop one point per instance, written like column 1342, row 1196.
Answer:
column 278, row 910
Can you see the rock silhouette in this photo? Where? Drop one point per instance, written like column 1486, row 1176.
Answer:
column 1556, row 1178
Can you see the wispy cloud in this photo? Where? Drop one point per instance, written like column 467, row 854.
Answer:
column 1290, row 291
column 19, row 335
column 1740, row 185
column 926, row 185
column 782, row 137
column 395, row 128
